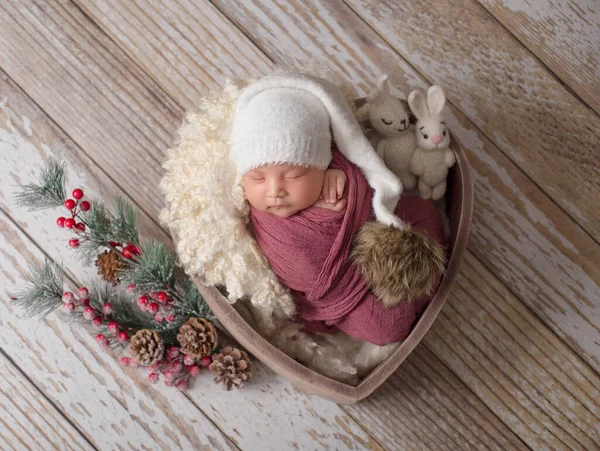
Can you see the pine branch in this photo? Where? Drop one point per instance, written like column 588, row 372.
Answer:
column 45, row 289
column 104, row 227
column 97, row 235
column 124, row 311
column 153, row 270
column 190, row 302
column 50, row 192
column 124, row 223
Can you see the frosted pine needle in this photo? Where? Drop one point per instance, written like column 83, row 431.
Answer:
column 44, row 291
column 50, row 192
column 153, row 270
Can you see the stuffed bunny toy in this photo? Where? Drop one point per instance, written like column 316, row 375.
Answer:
column 433, row 157
column 389, row 117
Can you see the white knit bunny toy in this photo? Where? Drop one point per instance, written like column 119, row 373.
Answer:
column 389, row 117
column 433, row 157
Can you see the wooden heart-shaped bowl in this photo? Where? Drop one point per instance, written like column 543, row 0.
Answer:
column 459, row 209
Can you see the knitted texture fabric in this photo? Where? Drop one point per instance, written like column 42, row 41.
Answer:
column 300, row 138
column 279, row 126
column 390, row 118
column 309, row 253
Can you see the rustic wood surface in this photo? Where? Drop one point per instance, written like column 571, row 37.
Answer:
column 513, row 360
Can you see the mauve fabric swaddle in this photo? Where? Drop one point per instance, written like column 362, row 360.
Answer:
column 309, row 253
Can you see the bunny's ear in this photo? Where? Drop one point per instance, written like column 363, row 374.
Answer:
column 435, row 100
column 382, row 89
column 416, row 101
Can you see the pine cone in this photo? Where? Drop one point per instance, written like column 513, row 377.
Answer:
column 109, row 265
column 197, row 337
column 146, row 347
column 231, row 367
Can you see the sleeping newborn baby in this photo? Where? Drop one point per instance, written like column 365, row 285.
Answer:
column 284, row 189
column 309, row 195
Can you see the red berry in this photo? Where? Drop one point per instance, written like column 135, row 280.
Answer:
column 86, row 302
column 68, row 298
column 70, row 204
column 168, row 383
column 60, row 222
column 205, row 361
column 89, row 313
column 161, row 296
column 123, row 337
column 181, row 385
column 133, row 363
column 170, row 301
column 74, row 242
column 68, row 308
column 133, row 249
column 176, row 366
column 130, row 288
column 103, row 341
column 173, row 352
column 169, row 375
column 83, row 293
column 153, row 378
column 195, row 370
column 113, row 327
column 142, row 300
column 69, row 223
column 189, row 360
column 170, row 318
column 153, row 307
column 97, row 321
column 126, row 254
column 85, row 205
column 107, row 308
column 80, row 226
column 77, row 193
column 114, row 243
column 125, row 361
column 154, row 367
column 158, row 318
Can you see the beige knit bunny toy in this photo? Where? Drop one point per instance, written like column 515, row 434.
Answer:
column 389, row 117
column 433, row 157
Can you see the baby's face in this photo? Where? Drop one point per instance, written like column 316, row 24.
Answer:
column 283, row 189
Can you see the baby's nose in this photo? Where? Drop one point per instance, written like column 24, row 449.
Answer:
column 436, row 139
column 276, row 190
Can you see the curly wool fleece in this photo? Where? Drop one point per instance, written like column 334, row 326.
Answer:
column 207, row 211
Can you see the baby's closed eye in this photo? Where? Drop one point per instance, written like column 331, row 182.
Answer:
column 296, row 174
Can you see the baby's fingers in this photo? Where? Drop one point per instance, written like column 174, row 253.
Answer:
column 325, row 191
column 332, row 191
column 340, row 182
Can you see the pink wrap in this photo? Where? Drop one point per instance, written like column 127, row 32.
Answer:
column 309, row 253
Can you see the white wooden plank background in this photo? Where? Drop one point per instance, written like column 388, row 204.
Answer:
column 512, row 361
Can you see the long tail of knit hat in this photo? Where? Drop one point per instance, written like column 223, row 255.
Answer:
column 347, row 133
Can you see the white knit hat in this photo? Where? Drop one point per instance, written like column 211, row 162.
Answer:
column 285, row 117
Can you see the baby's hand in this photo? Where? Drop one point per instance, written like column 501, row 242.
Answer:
column 333, row 185
column 333, row 190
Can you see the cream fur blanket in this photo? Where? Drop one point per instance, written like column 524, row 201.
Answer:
column 207, row 210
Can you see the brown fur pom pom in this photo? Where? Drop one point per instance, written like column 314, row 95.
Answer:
column 398, row 265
